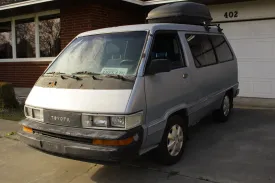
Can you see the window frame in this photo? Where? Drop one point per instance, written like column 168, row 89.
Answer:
column 36, row 16
column 182, row 54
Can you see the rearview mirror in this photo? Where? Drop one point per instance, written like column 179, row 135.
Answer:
column 158, row 66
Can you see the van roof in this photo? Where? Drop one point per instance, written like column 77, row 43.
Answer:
column 152, row 28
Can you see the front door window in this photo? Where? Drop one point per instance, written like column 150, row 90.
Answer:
column 167, row 46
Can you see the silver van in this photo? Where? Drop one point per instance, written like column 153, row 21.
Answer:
column 116, row 93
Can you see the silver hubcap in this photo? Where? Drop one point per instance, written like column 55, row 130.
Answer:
column 226, row 105
column 175, row 140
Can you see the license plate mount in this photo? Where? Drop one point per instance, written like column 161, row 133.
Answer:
column 52, row 147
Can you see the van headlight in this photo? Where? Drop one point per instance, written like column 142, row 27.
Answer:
column 100, row 121
column 118, row 121
column 113, row 122
column 34, row 113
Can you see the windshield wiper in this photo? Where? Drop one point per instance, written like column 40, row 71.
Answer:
column 123, row 78
column 55, row 73
column 63, row 76
column 88, row 73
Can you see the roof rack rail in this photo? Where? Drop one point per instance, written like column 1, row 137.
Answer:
column 208, row 26
column 219, row 27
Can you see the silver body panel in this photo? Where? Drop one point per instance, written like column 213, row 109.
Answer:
column 158, row 96
column 78, row 100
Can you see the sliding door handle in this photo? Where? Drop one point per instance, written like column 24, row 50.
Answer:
column 185, row 76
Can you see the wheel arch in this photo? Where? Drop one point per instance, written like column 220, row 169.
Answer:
column 230, row 92
column 182, row 113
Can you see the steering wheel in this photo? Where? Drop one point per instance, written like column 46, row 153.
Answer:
column 126, row 62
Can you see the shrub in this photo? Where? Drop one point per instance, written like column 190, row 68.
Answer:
column 7, row 96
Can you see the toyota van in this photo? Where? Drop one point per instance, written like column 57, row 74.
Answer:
column 115, row 93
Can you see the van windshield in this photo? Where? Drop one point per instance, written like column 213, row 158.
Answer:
column 102, row 54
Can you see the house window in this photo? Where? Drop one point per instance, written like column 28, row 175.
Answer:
column 30, row 37
column 5, row 40
column 49, row 36
column 25, row 38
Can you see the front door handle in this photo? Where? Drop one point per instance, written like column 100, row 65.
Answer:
column 185, row 76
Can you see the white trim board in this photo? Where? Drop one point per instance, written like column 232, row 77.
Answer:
column 31, row 15
column 151, row 2
column 138, row 2
column 250, row 10
column 24, row 3
column 42, row 59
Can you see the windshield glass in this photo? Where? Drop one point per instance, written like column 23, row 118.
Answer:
column 105, row 54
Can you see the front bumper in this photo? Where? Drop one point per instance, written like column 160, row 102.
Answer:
column 76, row 143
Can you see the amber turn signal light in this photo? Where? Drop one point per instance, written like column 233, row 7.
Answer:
column 123, row 142
column 26, row 129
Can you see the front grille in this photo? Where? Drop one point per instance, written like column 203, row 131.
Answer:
column 62, row 118
column 65, row 137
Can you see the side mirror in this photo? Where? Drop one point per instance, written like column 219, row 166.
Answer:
column 158, row 66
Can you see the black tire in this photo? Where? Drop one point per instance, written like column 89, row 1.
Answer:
column 220, row 115
column 162, row 154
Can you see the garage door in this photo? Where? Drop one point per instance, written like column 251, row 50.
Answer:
column 254, row 46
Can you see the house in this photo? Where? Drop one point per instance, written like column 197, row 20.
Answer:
column 32, row 33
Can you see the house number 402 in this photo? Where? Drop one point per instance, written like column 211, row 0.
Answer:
column 231, row 14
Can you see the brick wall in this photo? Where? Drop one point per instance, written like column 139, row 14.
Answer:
column 92, row 15
column 21, row 74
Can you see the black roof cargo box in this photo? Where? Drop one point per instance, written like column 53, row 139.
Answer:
column 182, row 12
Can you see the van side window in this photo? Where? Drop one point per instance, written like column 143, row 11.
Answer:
column 202, row 50
column 167, row 46
column 222, row 48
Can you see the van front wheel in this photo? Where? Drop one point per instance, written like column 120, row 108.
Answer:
column 171, row 148
column 222, row 114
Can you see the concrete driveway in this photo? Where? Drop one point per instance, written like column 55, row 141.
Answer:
column 242, row 150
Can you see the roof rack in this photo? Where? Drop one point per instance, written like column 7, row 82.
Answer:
column 182, row 13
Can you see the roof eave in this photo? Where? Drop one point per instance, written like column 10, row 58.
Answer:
column 151, row 2
column 21, row 4
column 156, row 2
